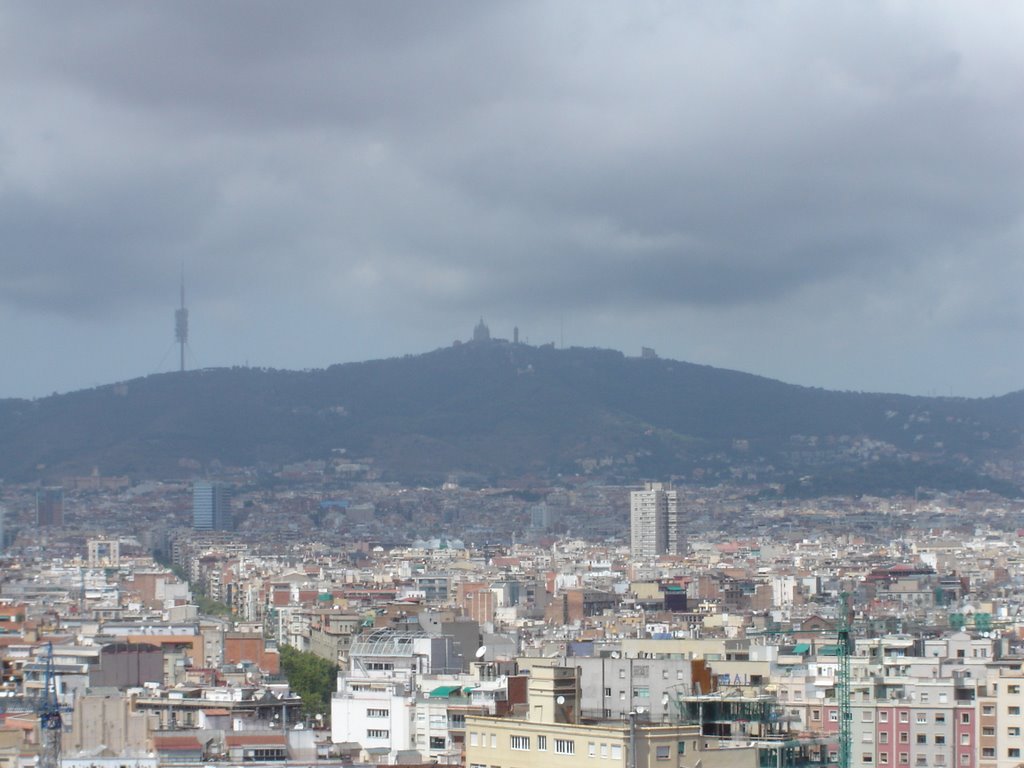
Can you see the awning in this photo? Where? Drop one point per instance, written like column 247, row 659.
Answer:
column 802, row 648
column 444, row 691
column 829, row 650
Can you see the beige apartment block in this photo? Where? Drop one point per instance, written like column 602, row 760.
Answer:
column 1001, row 720
column 493, row 742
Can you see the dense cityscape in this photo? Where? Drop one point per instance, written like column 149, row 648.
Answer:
column 168, row 622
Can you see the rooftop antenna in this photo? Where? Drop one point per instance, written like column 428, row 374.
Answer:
column 181, row 322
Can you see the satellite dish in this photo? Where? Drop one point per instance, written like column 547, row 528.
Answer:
column 640, row 710
column 615, row 654
column 481, row 651
column 560, row 700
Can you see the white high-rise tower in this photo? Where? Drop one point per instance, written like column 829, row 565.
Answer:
column 655, row 524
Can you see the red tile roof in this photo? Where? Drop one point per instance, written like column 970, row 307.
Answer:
column 176, row 743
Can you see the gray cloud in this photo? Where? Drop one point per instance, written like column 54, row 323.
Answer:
column 789, row 178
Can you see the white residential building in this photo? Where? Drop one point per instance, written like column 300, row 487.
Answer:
column 655, row 524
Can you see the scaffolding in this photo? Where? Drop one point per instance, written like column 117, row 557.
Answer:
column 755, row 720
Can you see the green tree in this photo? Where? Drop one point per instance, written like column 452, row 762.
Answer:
column 313, row 678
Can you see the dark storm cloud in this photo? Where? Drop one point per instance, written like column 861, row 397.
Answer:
column 823, row 162
column 82, row 252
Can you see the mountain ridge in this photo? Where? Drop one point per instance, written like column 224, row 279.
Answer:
column 499, row 410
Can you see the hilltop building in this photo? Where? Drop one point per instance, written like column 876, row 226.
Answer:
column 655, row 527
column 481, row 332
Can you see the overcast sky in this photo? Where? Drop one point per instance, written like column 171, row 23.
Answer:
column 830, row 194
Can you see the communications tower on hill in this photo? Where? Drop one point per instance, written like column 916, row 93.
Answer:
column 181, row 322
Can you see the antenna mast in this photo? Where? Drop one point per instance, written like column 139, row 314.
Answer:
column 181, row 322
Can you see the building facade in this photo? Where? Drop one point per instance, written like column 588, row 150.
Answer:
column 50, row 506
column 211, row 507
column 655, row 526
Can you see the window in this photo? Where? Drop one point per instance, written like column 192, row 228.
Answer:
column 883, row 758
column 607, row 691
column 1013, row 730
column 622, row 674
column 474, row 739
column 883, row 737
column 965, row 739
column 940, row 717
column 591, row 749
column 965, row 717
column 542, row 743
column 604, row 750
column 662, row 752
column 622, row 695
column 922, row 717
column 815, row 715
column 988, row 751
column 1013, row 689
column 833, row 716
column 988, row 709
column 1013, row 710
column 437, row 742
column 565, row 747
column 904, row 758
column 641, row 693
column 377, row 713
column 988, row 730
column 867, row 737
column 682, row 747
column 940, row 739
column 866, row 716
column 616, row 751
column 904, row 717
column 494, row 741
column 377, row 733
column 867, row 758
column 1013, row 752
column 922, row 738
column 924, row 698
column 519, row 742
column 883, row 716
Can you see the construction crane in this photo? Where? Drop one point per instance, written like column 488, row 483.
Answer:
column 51, row 720
column 843, row 652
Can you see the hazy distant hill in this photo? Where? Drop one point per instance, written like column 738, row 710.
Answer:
column 501, row 411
